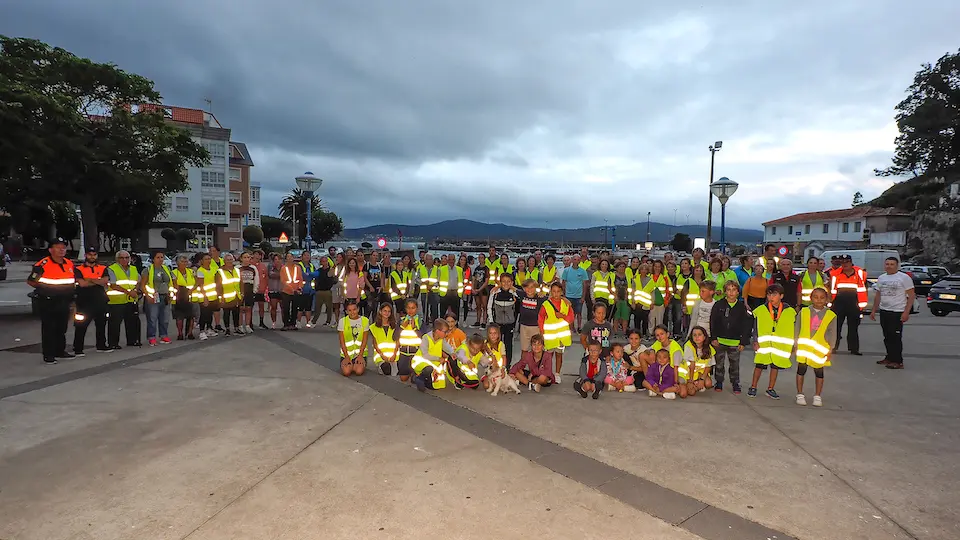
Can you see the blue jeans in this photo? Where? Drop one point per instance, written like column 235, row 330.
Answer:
column 158, row 314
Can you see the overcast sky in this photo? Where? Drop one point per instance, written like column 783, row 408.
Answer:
column 571, row 111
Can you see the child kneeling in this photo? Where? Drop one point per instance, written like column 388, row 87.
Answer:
column 661, row 378
column 618, row 375
column 593, row 372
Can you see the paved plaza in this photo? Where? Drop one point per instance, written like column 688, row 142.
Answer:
column 256, row 437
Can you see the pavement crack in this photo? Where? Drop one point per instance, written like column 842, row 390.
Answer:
column 277, row 468
column 691, row 516
column 836, row 475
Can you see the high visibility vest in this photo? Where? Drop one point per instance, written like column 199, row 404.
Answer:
column 447, row 281
column 631, row 272
column 693, row 291
column 640, row 294
column 189, row 281
column 701, row 365
column 126, row 281
column 586, row 265
column 807, row 286
column 61, row 279
column 428, row 279
column 547, row 277
column 466, row 282
column 661, row 283
column 814, row 349
column 215, row 264
column 209, row 278
column 292, row 277
column 409, row 335
column 673, row 349
column 556, row 329
column 398, row 282
column 91, row 272
column 501, row 271
column 522, row 276
column 603, row 286
column 493, row 271
column 363, row 291
column 150, row 291
column 385, row 342
column 471, row 374
column 721, row 279
column 351, row 341
column 433, row 358
column 230, row 283
column 775, row 338
column 841, row 282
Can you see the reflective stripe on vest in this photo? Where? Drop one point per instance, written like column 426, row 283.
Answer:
column 546, row 279
column 470, row 373
column 807, row 286
column 209, row 278
column 351, row 341
column 385, row 342
column 700, row 365
column 445, row 277
column 428, row 279
column 603, row 286
column 814, row 350
column 397, row 282
column 126, row 281
column 408, row 333
column 775, row 338
column 150, row 291
column 674, row 348
column 57, row 275
column 857, row 282
column 230, row 282
column 188, row 281
column 556, row 329
column 433, row 359
column 641, row 294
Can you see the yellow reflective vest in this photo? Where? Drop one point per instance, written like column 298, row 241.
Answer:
column 814, row 349
column 556, row 329
column 383, row 337
column 125, row 280
column 775, row 337
column 353, row 341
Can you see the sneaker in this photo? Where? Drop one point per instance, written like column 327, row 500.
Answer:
column 227, row 333
column 164, row 340
column 50, row 361
column 309, row 325
column 536, row 387
column 79, row 354
column 66, row 354
column 179, row 337
column 104, row 349
column 801, row 400
column 203, row 336
column 718, row 387
column 752, row 392
column 115, row 348
column 190, row 336
column 669, row 395
column 556, row 377
column 249, row 329
column 736, row 389
column 421, row 386
column 596, row 393
column 239, row 331
column 580, row 390
column 263, row 326
column 892, row 365
column 483, row 325
column 772, row 394
column 651, row 393
column 817, row 401
column 530, row 386
column 856, row 353
column 218, row 328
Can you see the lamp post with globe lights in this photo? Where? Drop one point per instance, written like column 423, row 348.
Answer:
column 723, row 189
column 308, row 183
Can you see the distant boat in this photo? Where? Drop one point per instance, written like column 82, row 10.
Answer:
column 366, row 245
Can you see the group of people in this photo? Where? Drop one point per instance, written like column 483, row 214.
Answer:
column 697, row 314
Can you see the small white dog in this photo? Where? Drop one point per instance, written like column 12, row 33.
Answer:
column 499, row 379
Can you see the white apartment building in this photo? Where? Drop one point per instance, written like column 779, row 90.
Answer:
column 857, row 227
column 254, row 214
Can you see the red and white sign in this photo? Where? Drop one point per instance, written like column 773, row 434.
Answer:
column 381, row 243
column 782, row 251
column 283, row 238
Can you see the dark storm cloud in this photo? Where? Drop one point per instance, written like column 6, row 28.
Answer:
column 419, row 110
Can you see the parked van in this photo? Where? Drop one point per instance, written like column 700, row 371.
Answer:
column 871, row 260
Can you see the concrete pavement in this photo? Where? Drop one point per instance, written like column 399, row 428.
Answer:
column 246, row 438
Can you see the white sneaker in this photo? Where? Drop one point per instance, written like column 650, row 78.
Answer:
column 249, row 329
column 801, row 400
column 202, row 336
column 817, row 401
column 669, row 395
column 556, row 377
column 309, row 325
column 536, row 387
column 651, row 393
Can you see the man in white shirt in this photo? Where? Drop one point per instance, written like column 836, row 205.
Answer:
column 893, row 300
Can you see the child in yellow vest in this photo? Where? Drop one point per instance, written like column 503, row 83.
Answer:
column 774, row 336
column 353, row 341
column 816, row 330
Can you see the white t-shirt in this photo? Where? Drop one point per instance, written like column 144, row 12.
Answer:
column 700, row 316
column 893, row 291
column 356, row 325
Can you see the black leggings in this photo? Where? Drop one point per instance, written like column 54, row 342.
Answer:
column 641, row 320
column 206, row 317
column 231, row 312
column 802, row 370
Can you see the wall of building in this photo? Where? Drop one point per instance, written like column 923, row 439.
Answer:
column 845, row 230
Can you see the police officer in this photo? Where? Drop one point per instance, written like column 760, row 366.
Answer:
column 91, row 302
column 54, row 278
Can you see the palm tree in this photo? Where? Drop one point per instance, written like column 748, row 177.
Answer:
column 286, row 209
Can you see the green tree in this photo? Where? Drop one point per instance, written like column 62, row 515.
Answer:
column 85, row 132
column 927, row 119
column 168, row 234
column 252, row 235
column 857, row 199
column 325, row 225
column 272, row 227
column 66, row 221
column 681, row 242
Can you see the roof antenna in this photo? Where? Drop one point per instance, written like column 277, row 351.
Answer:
column 209, row 105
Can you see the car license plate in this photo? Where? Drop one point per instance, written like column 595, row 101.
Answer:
column 926, row 282
column 948, row 297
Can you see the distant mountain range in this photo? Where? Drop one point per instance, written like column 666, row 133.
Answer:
column 465, row 230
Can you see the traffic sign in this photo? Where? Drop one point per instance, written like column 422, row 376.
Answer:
column 381, row 243
column 283, row 238
column 782, row 251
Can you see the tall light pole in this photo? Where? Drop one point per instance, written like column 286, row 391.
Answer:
column 206, row 235
column 295, row 229
column 648, row 226
column 714, row 148
column 308, row 183
column 723, row 189
column 83, row 248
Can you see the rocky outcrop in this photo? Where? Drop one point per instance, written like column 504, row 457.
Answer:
column 934, row 206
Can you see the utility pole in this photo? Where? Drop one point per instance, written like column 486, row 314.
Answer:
column 714, row 148
column 648, row 226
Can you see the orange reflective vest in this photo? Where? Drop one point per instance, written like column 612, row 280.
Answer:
column 840, row 282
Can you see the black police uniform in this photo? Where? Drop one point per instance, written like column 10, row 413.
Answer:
column 56, row 286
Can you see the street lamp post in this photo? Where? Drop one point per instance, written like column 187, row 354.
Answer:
column 308, row 183
column 648, row 226
column 723, row 189
column 206, row 235
column 83, row 248
column 295, row 229
column 714, row 148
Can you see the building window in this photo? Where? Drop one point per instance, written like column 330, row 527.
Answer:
column 846, row 227
column 209, row 207
column 212, row 179
column 826, row 228
column 856, row 226
column 182, row 204
column 255, row 215
column 234, row 225
column 790, row 229
column 216, row 150
column 773, row 230
column 234, row 175
column 255, row 194
column 806, row 229
column 235, row 198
